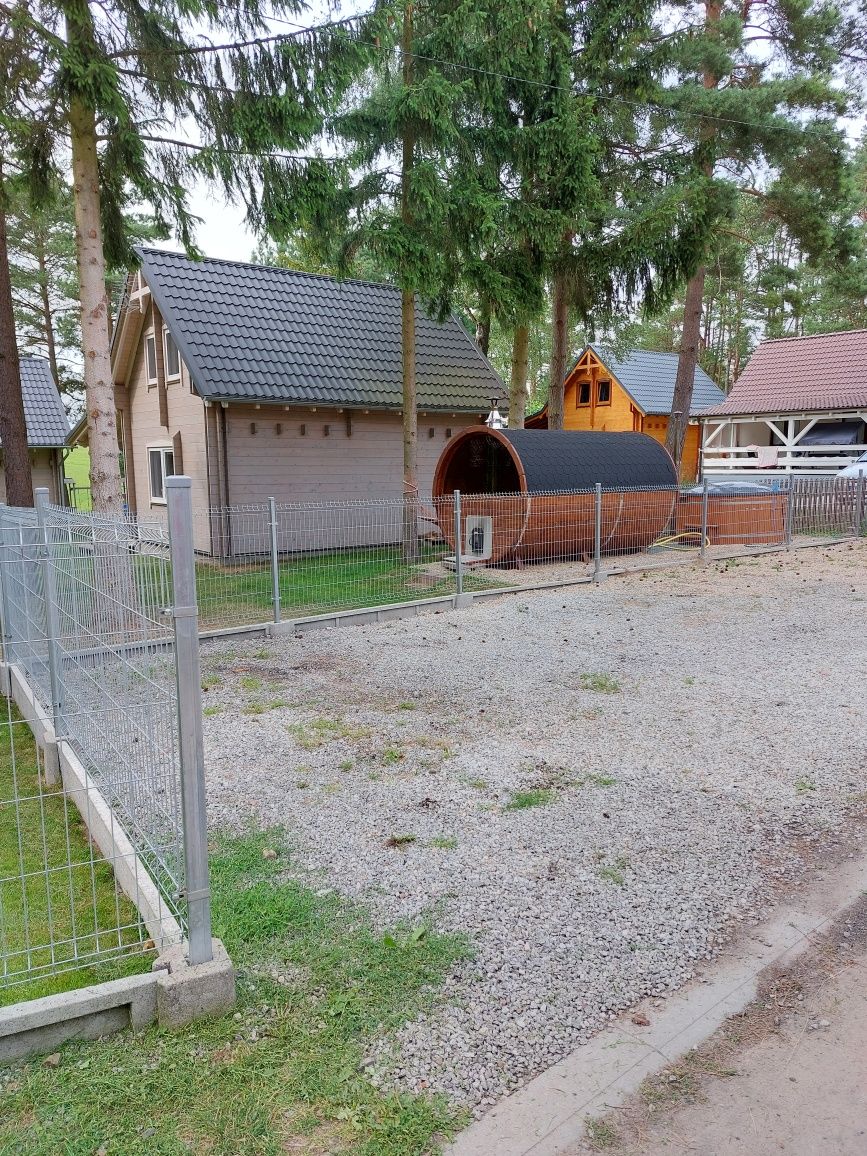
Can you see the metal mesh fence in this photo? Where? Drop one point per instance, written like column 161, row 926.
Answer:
column 288, row 561
column 86, row 634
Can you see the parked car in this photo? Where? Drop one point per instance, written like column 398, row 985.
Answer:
column 859, row 466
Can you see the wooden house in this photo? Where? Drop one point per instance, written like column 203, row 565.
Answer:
column 632, row 393
column 47, row 428
column 800, row 406
column 259, row 381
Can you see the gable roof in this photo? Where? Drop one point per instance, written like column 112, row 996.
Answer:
column 827, row 371
column 47, row 424
column 256, row 333
column 648, row 377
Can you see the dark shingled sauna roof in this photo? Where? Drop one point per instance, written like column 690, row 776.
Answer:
column 578, row 459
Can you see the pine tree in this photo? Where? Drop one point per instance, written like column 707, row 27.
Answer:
column 114, row 77
column 772, row 108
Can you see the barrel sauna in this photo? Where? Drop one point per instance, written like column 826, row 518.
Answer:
column 524, row 493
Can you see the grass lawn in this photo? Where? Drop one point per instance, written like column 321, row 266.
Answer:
column 317, row 584
column 76, row 466
column 316, row 985
column 51, row 889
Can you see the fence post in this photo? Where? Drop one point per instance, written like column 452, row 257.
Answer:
column 459, row 562
column 859, row 504
column 704, row 503
column 597, row 534
column 52, row 612
column 185, row 615
column 790, row 499
column 5, row 621
column 275, row 562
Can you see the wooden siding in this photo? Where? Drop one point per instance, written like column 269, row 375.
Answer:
column 317, row 467
column 45, row 470
column 186, row 417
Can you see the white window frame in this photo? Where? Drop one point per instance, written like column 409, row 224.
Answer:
column 163, row 451
column 167, row 337
column 150, row 336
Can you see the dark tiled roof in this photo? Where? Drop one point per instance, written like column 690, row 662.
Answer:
column 802, row 374
column 255, row 333
column 578, row 459
column 649, row 378
column 47, row 424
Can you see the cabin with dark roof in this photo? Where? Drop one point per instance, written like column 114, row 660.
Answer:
column 47, row 428
column 259, row 381
column 633, row 393
column 800, row 407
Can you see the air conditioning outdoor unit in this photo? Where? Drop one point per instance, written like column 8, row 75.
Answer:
column 478, row 538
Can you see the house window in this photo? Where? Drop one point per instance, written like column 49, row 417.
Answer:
column 151, row 358
column 173, row 357
column 603, row 393
column 583, row 396
column 161, row 465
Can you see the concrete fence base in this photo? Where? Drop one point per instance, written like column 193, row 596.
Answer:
column 174, row 993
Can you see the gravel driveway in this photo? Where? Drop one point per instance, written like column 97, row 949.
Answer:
column 598, row 786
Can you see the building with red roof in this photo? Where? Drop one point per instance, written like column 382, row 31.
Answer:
column 799, row 406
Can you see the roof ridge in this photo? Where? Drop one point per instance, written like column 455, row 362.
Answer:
column 140, row 249
column 812, row 336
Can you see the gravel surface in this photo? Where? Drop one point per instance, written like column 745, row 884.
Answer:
column 598, row 786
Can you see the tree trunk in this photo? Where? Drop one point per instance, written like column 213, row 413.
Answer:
column 105, row 484
column 689, row 342
column 518, row 380
column 681, row 403
column 13, row 426
column 407, row 326
column 45, row 302
column 483, row 326
column 559, row 351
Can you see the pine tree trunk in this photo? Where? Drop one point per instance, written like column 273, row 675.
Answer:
column 45, row 302
column 559, row 351
column 689, row 342
column 688, row 359
column 407, row 327
column 518, row 380
column 483, row 326
column 13, row 427
column 105, row 484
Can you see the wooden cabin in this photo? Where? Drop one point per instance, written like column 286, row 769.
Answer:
column 260, row 381
column 633, row 393
column 47, row 428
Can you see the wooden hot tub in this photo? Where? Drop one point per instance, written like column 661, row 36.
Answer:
column 749, row 517
column 526, row 495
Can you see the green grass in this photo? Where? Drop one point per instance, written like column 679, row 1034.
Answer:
column 600, row 683
column 315, row 734
column 62, row 896
column 443, row 843
column 76, row 466
column 538, row 797
column 317, row 983
column 614, row 872
column 318, row 584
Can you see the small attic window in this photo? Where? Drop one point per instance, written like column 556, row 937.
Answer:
column 603, row 393
column 150, row 352
column 583, row 396
column 173, row 357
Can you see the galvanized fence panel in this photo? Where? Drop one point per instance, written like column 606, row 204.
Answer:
column 276, row 561
column 90, row 623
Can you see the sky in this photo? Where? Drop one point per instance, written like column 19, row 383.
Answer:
column 223, row 231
